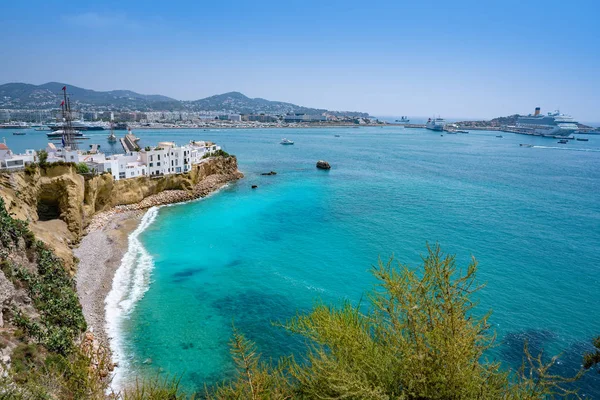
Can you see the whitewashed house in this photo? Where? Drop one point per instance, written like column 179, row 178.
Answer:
column 9, row 160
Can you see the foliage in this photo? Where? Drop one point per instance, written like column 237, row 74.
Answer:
column 154, row 389
column 420, row 339
column 51, row 289
column 257, row 380
column 217, row 153
column 30, row 168
column 43, row 157
column 592, row 359
column 82, row 168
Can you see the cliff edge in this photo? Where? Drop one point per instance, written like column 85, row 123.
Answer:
column 58, row 203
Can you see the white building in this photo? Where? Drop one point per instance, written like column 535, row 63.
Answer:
column 9, row 160
column 166, row 158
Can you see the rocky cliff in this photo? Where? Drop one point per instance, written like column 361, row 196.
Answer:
column 58, row 203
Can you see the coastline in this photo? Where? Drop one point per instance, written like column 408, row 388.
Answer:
column 104, row 254
column 100, row 253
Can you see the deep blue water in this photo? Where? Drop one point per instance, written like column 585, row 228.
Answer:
column 531, row 217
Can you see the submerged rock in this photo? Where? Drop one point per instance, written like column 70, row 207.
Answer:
column 323, row 165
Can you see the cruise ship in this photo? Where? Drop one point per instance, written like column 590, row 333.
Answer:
column 435, row 124
column 554, row 125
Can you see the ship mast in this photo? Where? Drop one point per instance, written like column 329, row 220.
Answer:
column 68, row 137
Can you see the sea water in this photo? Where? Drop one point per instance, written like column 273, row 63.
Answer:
column 252, row 258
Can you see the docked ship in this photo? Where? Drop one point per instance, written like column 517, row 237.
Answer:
column 554, row 125
column 435, row 124
column 80, row 126
column 14, row 125
column 403, row 120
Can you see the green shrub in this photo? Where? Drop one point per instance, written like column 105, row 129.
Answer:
column 82, row 168
column 218, row 153
column 156, row 388
column 420, row 339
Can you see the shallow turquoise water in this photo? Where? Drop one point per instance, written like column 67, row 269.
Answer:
column 531, row 216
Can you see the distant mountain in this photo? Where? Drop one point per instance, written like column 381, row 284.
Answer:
column 48, row 96
column 236, row 102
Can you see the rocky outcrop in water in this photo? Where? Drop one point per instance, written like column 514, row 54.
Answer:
column 323, row 165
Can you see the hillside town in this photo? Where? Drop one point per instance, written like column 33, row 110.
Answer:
column 165, row 159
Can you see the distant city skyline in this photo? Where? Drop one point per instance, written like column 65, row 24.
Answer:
column 466, row 58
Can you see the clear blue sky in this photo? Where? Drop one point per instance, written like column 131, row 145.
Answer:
column 456, row 58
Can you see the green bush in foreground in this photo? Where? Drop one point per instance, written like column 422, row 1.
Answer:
column 420, row 340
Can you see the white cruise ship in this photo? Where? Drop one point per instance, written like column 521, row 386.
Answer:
column 435, row 124
column 551, row 125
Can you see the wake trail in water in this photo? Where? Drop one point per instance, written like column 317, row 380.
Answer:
column 130, row 282
column 565, row 148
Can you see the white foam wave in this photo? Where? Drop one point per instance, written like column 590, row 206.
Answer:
column 565, row 148
column 130, row 282
column 301, row 283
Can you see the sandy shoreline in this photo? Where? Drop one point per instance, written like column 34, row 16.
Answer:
column 101, row 250
column 100, row 253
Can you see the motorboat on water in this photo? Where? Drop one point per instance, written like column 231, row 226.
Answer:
column 499, row 136
column 525, row 145
column 563, row 141
column 19, row 133
column 583, row 139
column 286, row 141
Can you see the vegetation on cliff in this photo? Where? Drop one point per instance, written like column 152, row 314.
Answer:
column 42, row 321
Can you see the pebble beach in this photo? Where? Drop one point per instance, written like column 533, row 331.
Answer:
column 106, row 241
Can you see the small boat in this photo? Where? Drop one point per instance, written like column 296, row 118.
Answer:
column 19, row 133
column 286, row 141
column 112, row 138
column 525, row 145
column 339, row 136
column 451, row 132
column 499, row 136
column 582, row 139
column 563, row 141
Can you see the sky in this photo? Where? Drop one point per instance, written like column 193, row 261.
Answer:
column 477, row 59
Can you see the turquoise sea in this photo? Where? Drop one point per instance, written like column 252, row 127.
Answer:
column 244, row 257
